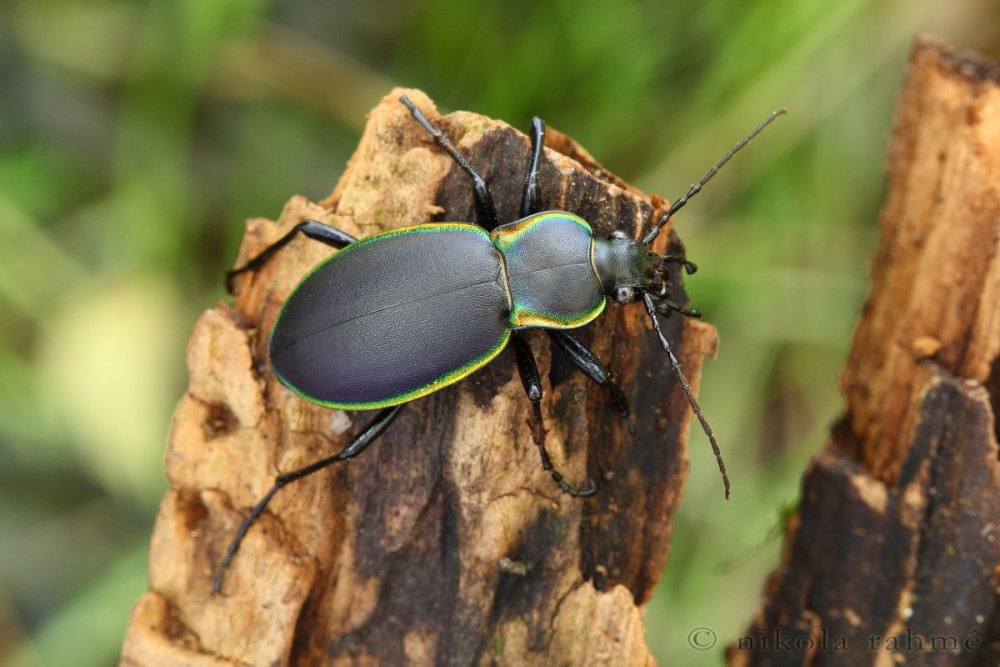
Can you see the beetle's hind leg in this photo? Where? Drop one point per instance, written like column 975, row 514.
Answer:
column 314, row 229
column 528, row 370
column 356, row 446
column 594, row 368
column 486, row 212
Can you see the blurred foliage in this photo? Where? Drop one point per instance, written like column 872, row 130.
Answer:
column 136, row 137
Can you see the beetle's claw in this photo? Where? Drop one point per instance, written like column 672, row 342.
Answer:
column 579, row 493
column 590, row 490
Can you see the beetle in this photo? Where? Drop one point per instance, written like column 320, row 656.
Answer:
column 402, row 314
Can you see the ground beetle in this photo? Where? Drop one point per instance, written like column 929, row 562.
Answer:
column 350, row 333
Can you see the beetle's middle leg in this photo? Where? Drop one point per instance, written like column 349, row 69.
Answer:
column 355, row 447
column 528, row 370
column 314, row 229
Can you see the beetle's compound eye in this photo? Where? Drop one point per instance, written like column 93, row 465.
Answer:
column 619, row 235
column 625, row 294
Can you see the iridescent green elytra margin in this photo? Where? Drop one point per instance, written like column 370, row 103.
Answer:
column 466, row 267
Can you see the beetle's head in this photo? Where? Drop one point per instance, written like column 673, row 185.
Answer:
column 628, row 269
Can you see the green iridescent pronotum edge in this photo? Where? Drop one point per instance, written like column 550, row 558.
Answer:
column 506, row 236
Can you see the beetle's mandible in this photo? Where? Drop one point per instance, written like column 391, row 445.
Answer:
column 546, row 270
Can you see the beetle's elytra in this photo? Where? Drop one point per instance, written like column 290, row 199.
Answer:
column 400, row 315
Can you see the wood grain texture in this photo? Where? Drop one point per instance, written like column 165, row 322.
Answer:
column 893, row 555
column 445, row 542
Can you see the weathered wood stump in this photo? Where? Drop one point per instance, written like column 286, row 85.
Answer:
column 893, row 555
column 445, row 542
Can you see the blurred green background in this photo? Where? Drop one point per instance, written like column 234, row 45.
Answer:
column 135, row 138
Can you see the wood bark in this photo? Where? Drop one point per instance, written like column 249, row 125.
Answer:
column 445, row 542
column 893, row 555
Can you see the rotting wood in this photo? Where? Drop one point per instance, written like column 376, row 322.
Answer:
column 445, row 542
column 893, row 555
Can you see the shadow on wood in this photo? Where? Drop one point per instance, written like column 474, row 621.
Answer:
column 445, row 542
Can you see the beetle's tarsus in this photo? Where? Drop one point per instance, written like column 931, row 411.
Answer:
column 528, row 370
column 582, row 493
column 689, row 266
column 666, row 306
column 570, row 490
column 313, row 229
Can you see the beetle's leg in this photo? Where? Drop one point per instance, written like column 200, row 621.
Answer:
column 486, row 212
column 665, row 306
column 313, row 229
column 528, row 371
column 356, row 446
column 529, row 204
column 594, row 368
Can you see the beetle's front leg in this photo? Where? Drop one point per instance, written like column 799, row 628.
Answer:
column 528, row 370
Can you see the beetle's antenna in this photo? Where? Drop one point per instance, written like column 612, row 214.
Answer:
column 696, row 188
column 665, row 344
